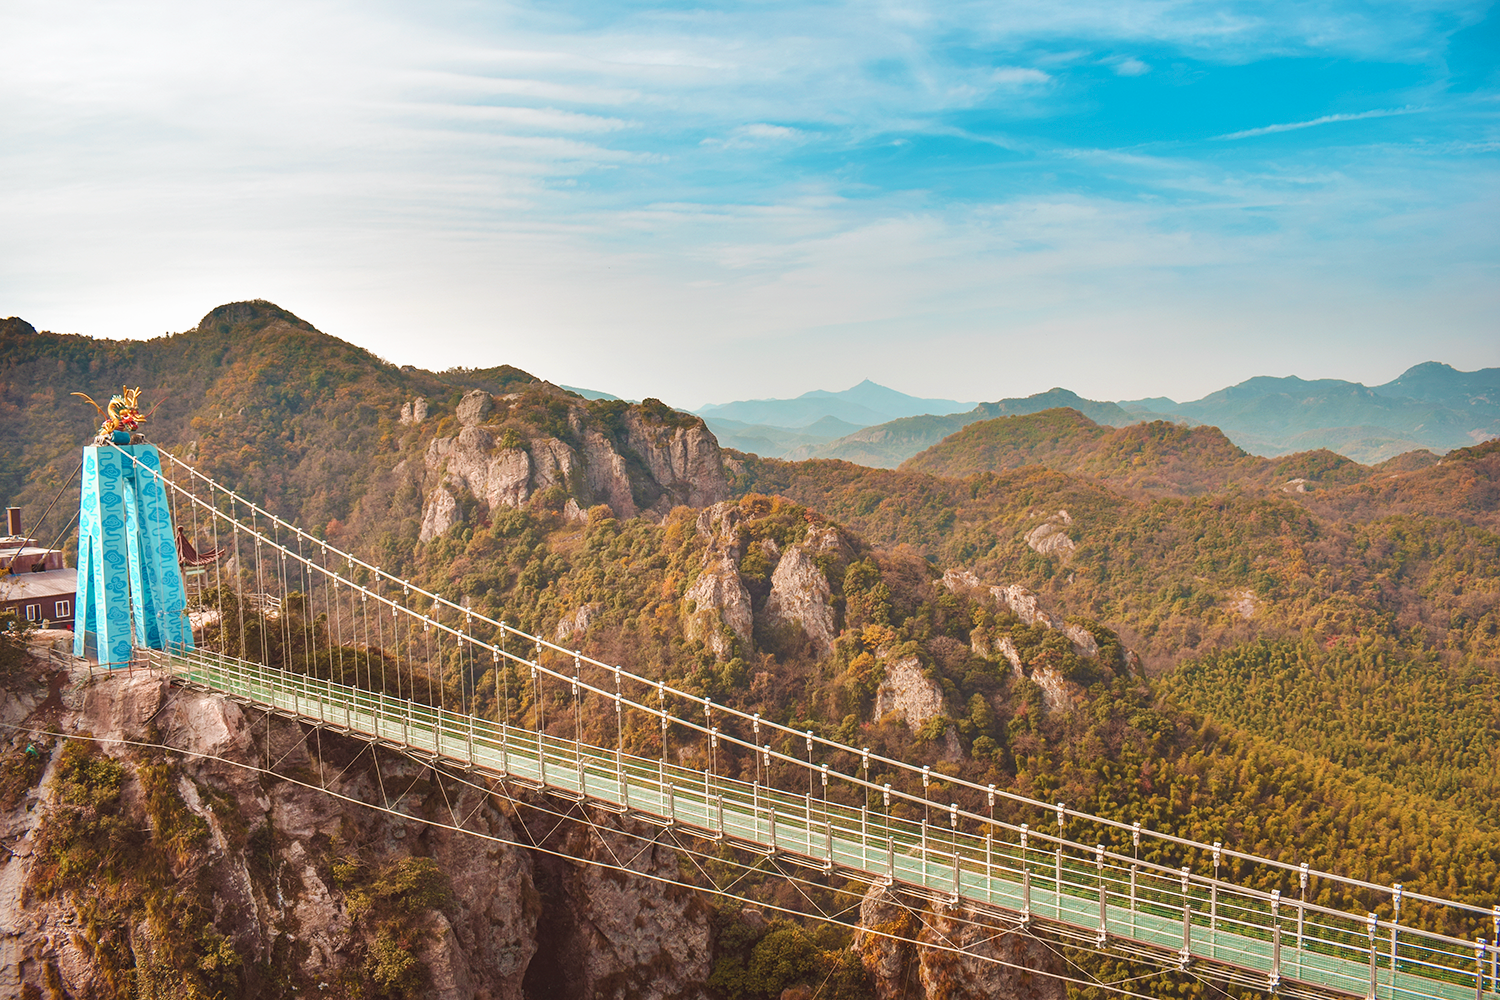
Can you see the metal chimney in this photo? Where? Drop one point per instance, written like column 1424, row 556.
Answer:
column 13, row 520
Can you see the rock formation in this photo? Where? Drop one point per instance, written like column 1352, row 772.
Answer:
column 718, row 598
column 1050, row 537
column 281, row 878
column 1058, row 693
column 645, row 466
column 916, row 699
column 800, row 596
column 413, row 412
column 960, row 955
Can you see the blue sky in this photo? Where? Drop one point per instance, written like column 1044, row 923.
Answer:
column 704, row 203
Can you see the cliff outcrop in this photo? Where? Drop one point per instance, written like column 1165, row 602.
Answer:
column 1059, row 692
column 964, row 959
column 131, row 870
column 640, row 460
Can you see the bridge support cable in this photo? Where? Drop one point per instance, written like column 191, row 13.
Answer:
column 1239, row 924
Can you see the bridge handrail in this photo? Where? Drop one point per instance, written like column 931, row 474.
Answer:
column 754, row 718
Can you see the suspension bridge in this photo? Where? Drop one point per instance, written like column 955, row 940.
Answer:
column 281, row 620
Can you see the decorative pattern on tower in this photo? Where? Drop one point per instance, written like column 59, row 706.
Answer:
column 130, row 588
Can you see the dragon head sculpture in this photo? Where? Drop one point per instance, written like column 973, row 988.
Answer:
column 121, row 421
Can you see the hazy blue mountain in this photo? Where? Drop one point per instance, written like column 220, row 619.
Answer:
column 860, row 406
column 1435, row 382
column 773, row 442
column 1430, row 406
column 588, row 393
column 887, row 445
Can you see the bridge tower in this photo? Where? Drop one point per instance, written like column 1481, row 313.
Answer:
column 128, row 577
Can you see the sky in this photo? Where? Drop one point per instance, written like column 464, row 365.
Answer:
column 706, row 202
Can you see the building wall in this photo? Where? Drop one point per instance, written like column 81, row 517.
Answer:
column 39, row 609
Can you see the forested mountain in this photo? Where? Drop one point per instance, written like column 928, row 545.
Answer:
column 1297, row 656
column 1429, row 406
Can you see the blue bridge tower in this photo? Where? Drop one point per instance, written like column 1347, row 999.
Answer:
column 129, row 582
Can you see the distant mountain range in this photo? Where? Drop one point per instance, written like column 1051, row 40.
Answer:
column 1431, row 406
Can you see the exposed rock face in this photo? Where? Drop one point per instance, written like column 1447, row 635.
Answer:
column 439, row 514
column 958, row 957
column 613, row 936
column 1024, row 605
column 414, row 412
column 575, row 625
column 916, row 698
column 474, row 407
column 684, row 460
column 800, row 597
column 909, row 693
column 719, row 596
column 1050, row 537
column 1084, row 643
column 519, row 926
column 1058, row 693
column 648, row 468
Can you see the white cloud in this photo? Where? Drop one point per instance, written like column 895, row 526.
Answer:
column 1325, row 120
column 543, row 119
column 1131, row 66
column 1019, row 76
column 757, row 134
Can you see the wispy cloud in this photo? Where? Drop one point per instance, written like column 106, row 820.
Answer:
column 1325, row 120
column 1019, row 76
column 757, row 134
column 1131, row 66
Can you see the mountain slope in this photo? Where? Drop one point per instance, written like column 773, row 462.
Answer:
column 311, row 426
column 1430, row 406
column 887, row 445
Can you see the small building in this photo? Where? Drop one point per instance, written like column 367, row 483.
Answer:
column 34, row 583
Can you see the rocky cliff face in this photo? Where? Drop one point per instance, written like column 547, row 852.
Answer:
column 127, row 866
column 641, row 461
column 1058, row 693
column 964, row 957
column 916, row 699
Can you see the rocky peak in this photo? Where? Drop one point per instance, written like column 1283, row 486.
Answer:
column 800, row 597
column 414, row 412
column 916, row 699
column 474, row 407
column 644, row 467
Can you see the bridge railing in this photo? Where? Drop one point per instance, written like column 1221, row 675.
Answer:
column 1164, row 915
column 1195, row 897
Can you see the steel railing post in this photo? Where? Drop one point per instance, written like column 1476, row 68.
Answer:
column 1372, row 923
column 620, row 778
column 953, row 832
column 890, row 838
column 1213, row 905
column 1396, row 892
column 1061, row 820
column 1186, row 955
column 1135, row 838
column 1274, row 983
column 1025, row 879
column 1301, row 911
column 864, row 837
column 1103, row 895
